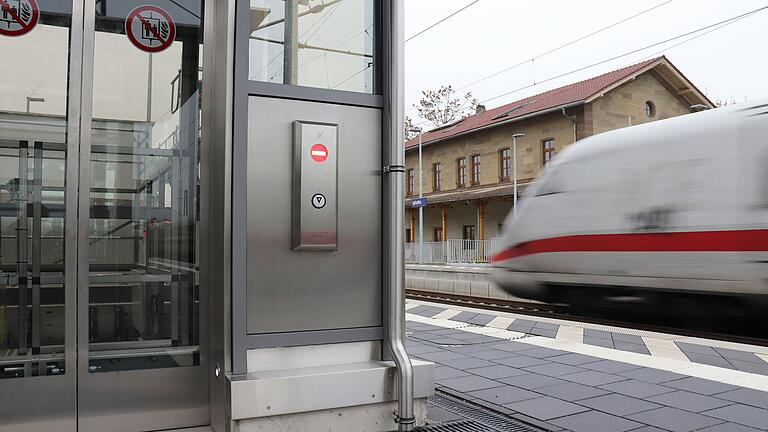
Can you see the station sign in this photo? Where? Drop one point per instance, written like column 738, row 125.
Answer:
column 18, row 17
column 418, row 202
column 150, row 28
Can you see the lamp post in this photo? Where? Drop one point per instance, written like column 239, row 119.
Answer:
column 514, row 171
column 421, row 195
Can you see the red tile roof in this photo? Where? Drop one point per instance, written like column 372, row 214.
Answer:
column 569, row 94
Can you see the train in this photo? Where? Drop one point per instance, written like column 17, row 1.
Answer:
column 676, row 208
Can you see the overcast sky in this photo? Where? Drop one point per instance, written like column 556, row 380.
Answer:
column 731, row 62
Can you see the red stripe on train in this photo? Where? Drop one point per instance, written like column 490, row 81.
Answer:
column 699, row 241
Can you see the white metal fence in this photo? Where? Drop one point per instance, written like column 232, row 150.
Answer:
column 453, row 251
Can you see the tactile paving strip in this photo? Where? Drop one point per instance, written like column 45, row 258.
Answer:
column 478, row 419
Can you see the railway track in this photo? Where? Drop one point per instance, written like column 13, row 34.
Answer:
column 564, row 312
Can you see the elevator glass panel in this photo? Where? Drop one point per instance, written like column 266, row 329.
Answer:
column 314, row 43
column 33, row 148
column 143, row 294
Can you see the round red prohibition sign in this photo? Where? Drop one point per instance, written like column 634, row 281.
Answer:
column 319, row 153
column 18, row 17
column 150, row 28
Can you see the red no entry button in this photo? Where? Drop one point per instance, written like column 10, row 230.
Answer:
column 319, row 153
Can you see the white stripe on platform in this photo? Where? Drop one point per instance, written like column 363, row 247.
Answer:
column 763, row 356
column 664, row 348
column 713, row 373
column 570, row 334
column 411, row 305
column 501, row 322
column 447, row 314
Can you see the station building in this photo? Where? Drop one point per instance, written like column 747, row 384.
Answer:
column 201, row 217
column 468, row 164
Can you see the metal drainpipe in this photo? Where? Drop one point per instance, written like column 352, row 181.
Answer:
column 396, row 269
column 574, row 120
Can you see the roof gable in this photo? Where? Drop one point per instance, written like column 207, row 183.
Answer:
column 576, row 93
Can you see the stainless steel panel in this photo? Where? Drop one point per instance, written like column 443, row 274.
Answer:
column 265, row 359
column 315, row 163
column 154, row 399
column 291, row 290
column 272, row 393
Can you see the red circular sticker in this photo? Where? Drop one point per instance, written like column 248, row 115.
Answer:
column 319, row 153
column 150, row 28
column 18, row 17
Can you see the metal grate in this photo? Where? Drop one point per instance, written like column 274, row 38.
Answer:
column 455, row 426
column 477, row 419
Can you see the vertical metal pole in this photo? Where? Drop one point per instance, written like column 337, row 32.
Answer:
column 291, row 43
column 394, row 113
column 150, row 65
column 37, row 224
column 421, row 206
column 514, row 175
column 21, row 247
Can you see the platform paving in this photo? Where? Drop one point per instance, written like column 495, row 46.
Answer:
column 567, row 386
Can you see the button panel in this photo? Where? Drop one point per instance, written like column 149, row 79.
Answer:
column 315, row 157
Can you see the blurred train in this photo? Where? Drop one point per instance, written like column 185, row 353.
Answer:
column 648, row 213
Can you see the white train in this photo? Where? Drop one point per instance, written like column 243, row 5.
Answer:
column 673, row 206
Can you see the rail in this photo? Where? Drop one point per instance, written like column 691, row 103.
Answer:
column 452, row 251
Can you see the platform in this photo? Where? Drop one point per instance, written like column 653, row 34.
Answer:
column 563, row 375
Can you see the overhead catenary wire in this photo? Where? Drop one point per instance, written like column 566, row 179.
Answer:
column 711, row 28
column 441, row 21
column 628, row 53
column 560, row 47
column 656, row 53
column 567, row 44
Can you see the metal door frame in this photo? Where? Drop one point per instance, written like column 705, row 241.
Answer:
column 147, row 399
column 244, row 88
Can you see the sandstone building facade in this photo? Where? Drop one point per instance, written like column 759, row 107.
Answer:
column 468, row 165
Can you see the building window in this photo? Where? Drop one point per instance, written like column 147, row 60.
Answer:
column 475, row 170
column 408, row 238
column 436, row 177
column 650, row 109
column 505, row 164
column 548, row 150
column 409, row 187
column 437, row 234
column 461, row 172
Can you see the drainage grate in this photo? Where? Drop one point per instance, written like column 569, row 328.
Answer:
column 455, row 426
column 477, row 419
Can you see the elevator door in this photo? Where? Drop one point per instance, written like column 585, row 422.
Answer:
column 100, row 311
column 139, row 360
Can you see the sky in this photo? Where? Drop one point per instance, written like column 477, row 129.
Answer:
column 730, row 63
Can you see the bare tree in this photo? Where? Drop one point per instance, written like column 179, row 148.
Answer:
column 443, row 106
column 721, row 102
column 409, row 128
